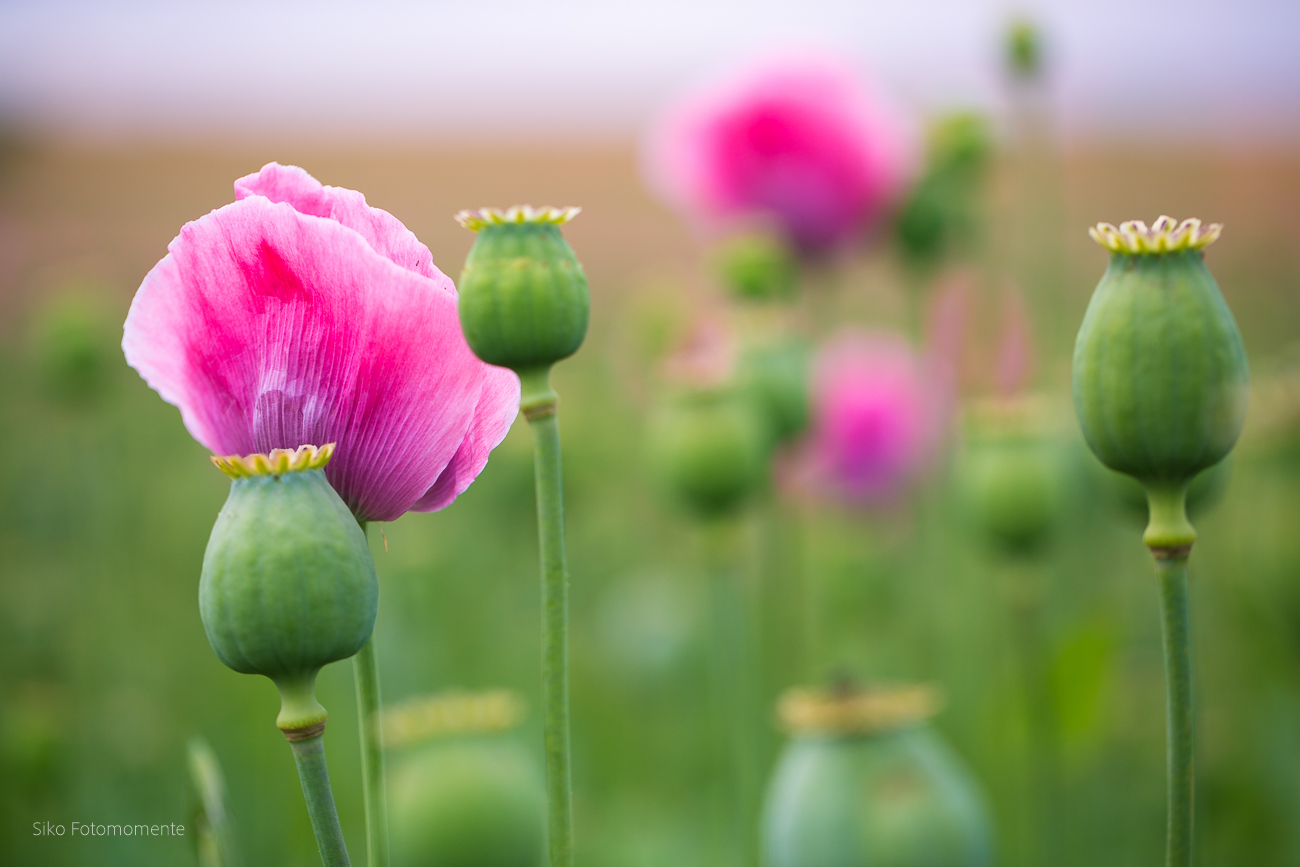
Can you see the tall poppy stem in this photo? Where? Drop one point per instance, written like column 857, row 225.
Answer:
column 538, row 403
column 731, row 688
column 1179, row 715
column 309, row 755
column 365, row 670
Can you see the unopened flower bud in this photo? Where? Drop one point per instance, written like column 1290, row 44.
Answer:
column 758, row 268
column 1160, row 373
column 524, row 302
column 777, row 376
column 288, row 583
column 709, row 449
column 1012, row 473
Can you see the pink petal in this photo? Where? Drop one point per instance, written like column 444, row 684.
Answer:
column 271, row 328
column 384, row 232
column 802, row 140
column 498, row 404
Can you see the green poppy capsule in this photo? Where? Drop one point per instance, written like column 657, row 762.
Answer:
column 1012, row 473
column 709, row 449
column 759, row 268
column 524, row 302
column 1160, row 374
column 865, row 781
column 288, row 583
column 465, row 791
column 776, row 374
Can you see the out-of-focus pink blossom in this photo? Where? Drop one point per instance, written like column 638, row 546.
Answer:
column 1016, row 345
column 802, row 141
column 301, row 315
column 876, row 416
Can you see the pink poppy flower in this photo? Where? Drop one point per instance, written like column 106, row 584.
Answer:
column 301, row 315
column 876, row 416
column 802, row 141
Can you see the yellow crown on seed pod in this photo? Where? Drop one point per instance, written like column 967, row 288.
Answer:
column 853, row 711
column 481, row 217
column 1166, row 235
column 452, row 713
column 277, row 462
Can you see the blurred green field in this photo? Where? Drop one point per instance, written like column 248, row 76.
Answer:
column 106, row 503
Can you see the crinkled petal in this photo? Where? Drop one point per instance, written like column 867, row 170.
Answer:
column 271, row 328
column 306, row 195
column 498, row 405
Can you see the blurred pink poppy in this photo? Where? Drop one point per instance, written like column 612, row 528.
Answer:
column 876, row 416
column 301, row 315
column 801, row 141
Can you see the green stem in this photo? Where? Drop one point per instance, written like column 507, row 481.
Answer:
column 732, row 691
column 365, row 669
column 309, row 755
column 538, row 403
column 1177, row 628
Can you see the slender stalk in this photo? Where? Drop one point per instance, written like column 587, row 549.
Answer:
column 732, row 692
column 365, row 670
column 1179, row 718
column 309, row 755
column 538, row 403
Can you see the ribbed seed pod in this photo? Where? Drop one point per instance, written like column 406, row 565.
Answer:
column 1160, row 374
column 864, row 782
column 708, row 448
column 465, row 792
column 288, row 583
column 524, row 302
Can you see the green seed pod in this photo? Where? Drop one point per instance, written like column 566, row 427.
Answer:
column 523, row 294
column 1024, row 49
column 1160, row 375
column 465, row 792
column 288, row 582
column 776, row 374
column 864, row 781
column 759, row 268
column 709, row 448
column 1012, row 474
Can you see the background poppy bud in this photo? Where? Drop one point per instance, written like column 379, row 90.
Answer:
column 288, row 583
column 758, row 268
column 709, row 448
column 524, row 302
column 864, row 780
column 1160, row 373
column 465, row 790
column 776, row 375
column 1012, row 474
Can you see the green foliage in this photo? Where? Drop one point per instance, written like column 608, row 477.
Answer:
column 1024, row 49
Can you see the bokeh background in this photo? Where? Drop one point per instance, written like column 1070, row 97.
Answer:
column 121, row 121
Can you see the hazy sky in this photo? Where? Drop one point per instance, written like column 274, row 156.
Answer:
column 384, row 70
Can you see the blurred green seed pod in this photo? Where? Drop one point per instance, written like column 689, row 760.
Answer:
column 709, row 449
column 942, row 211
column 524, row 302
column 865, row 781
column 72, row 351
column 1024, row 49
column 1012, row 474
column 288, row 583
column 776, row 375
column 1160, row 375
column 464, row 791
column 758, row 268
